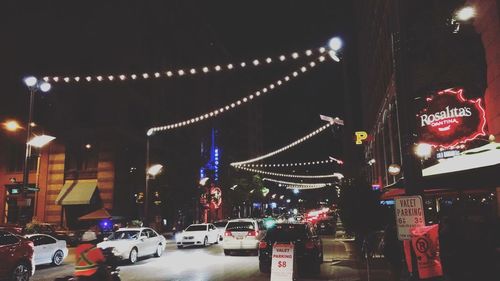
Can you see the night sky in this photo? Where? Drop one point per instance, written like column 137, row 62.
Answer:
column 111, row 37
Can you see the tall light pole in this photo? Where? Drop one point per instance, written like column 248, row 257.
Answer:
column 34, row 86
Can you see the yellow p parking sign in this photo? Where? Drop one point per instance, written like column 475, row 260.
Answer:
column 360, row 136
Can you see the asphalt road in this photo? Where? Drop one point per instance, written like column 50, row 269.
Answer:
column 203, row 264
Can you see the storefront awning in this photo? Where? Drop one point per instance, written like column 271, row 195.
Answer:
column 96, row 215
column 78, row 192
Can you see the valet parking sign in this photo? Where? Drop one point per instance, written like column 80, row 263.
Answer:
column 409, row 215
column 282, row 262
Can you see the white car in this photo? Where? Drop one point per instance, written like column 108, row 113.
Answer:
column 221, row 227
column 243, row 235
column 198, row 234
column 48, row 249
column 132, row 243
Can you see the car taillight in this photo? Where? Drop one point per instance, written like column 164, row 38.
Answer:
column 262, row 244
column 228, row 233
column 309, row 245
column 252, row 233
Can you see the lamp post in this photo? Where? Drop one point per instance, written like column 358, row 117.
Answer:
column 151, row 172
column 34, row 86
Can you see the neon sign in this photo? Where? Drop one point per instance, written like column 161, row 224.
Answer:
column 448, row 119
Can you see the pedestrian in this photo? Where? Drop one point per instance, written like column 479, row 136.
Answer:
column 392, row 251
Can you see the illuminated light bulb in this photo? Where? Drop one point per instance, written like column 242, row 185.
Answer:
column 303, row 69
column 227, row 107
column 170, row 73
column 271, row 86
column 55, row 78
column 322, row 49
column 250, row 96
column 321, row 59
column 217, row 68
column 99, row 78
column 233, row 105
column 257, row 93
column 312, row 64
column 264, row 90
column 245, row 99
column 206, row 115
column 192, row 120
column 287, row 78
column 133, row 76
column 181, row 72
column 157, row 74
column 145, row 75
column 211, row 114
column 197, row 119
column 295, row 73
column 279, row 82
column 46, row 79
column 192, row 71
column 269, row 60
column 282, row 58
column 238, row 102
column 88, row 78
column 335, row 44
column 308, row 52
column 201, row 117
column 243, row 64
column 295, row 55
column 122, row 77
column 66, row 79
column 77, row 78
column 230, row 66
column 205, row 69
column 216, row 112
column 256, row 62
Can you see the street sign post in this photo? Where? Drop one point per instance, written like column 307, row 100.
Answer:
column 409, row 214
column 282, row 264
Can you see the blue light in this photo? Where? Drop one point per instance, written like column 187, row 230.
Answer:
column 273, row 205
column 296, row 191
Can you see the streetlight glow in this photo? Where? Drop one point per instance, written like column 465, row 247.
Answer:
column 40, row 141
column 45, row 87
column 155, row 169
column 465, row 13
column 11, row 125
column 30, row 81
column 423, row 150
column 335, row 43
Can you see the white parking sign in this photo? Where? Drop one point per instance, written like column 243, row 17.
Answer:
column 282, row 262
column 409, row 214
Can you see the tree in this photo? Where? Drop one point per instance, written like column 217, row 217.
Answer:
column 360, row 209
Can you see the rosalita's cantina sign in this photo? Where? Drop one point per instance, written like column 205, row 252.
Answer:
column 447, row 119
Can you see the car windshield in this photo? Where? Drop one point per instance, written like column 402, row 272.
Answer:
column 124, row 234
column 240, row 226
column 220, row 223
column 286, row 232
column 197, row 228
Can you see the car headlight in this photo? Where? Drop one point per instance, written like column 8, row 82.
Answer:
column 116, row 252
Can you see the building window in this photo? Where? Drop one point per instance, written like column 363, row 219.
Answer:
column 81, row 161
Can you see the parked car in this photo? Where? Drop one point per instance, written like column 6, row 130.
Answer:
column 221, row 227
column 12, row 228
column 308, row 246
column 16, row 256
column 243, row 235
column 72, row 237
column 48, row 249
column 326, row 226
column 198, row 234
column 132, row 243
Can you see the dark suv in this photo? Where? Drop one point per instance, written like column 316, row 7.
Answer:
column 16, row 256
column 308, row 246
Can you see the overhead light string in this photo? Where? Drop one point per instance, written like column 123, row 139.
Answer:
column 240, row 102
column 297, row 164
column 186, row 71
column 297, row 184
column 334, row 175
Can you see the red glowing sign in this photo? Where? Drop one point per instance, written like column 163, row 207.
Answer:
column 448, row 119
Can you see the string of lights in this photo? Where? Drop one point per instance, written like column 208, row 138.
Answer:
column 297, row 164
column 334, row 175
column 186, row 71
column 239, row 102
column 297, row 184
column 270, row 154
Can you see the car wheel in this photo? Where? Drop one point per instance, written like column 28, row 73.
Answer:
column 227, row 252
column 133, row 256
column 58, row 258
column 205, row 242
column 21, row 273
column 264, row 267
column 159, row 250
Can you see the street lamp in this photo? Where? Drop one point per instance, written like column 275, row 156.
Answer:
column 465, row 14
column 423, row 150
column 151, row 172
column 11, row 125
